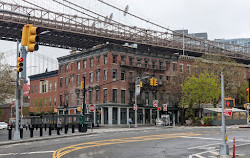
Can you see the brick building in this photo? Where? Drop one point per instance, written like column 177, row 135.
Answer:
column 110, row 71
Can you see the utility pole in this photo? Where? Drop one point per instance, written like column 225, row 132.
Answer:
column 82, row 117
column 137, row 84
column 224, row 150
column 248, row 118
column 17, row 133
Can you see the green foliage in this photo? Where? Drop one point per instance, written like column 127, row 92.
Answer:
column 1, row 112
column 201, row 89
column 242, row 93
column 189, row 114
column 207, row 120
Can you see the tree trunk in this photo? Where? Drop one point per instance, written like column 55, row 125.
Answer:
column 182, row 116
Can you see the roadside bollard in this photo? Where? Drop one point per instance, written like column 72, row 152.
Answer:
column 31, row 131
column 41, row 131
column 10, row 131
column 21, row 133
column 79, row 128
column 234, row 148
column 50, row 129
column 26, row 127
column 45, row 126
column 66, row 129
column 36, row 126
column 73, row 128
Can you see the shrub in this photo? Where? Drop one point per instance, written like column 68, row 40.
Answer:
column 207, row 120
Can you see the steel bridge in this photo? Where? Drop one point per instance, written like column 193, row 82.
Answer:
column 78, row 32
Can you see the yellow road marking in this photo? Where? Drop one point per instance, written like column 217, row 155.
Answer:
column 63, row 151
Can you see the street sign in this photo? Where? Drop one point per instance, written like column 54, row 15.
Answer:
column 135, row 107
column 248, row 105
column 165, row 107
column 230, row 103
column 92, row 108
column 155, row 103
column 227, row 112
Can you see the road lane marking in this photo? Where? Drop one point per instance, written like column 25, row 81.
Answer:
column 27, row 153
column 203, row 146
column 63, row 151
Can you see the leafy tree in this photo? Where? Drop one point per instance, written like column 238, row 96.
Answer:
column 201, row 89
column 7, row 81
column 234, row 73
column 242, row 93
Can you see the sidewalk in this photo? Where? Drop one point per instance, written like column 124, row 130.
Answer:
column 89, row 132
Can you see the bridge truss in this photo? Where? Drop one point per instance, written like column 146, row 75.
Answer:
column 77, row 32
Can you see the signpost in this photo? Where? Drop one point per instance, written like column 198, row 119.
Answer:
column 135, row 107
column 92, row 108
column 227, row 112
column 155, row 103
column 165, row 107
column 248, row 106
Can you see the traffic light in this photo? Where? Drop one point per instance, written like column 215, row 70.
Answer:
column 247, row 94
column 141, row 84
column 30, row 37
column 152, row 81
column 230, row 103
column 155, row 82
column 79, row 108
column 19, row 64
column 82, row 85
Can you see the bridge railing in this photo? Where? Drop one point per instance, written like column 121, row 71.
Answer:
column 99, row 28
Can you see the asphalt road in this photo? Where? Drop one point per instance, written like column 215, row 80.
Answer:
column 188, row 142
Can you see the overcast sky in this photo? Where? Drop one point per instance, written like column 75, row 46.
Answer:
column 219, row 18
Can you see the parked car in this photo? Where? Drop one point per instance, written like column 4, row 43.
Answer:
column 3, row 125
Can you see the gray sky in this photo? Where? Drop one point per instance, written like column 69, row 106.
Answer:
column 219, row 18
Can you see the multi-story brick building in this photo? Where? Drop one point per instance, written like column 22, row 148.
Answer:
column 110, row 71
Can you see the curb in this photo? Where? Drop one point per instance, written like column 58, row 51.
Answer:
column 66, row 136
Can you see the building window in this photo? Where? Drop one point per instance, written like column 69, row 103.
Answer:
column 98, row 59
column 78, row 79
column 154, row 64
column 244, row 75
column 97, row 96
column 105, row 59
column 60, row 99
column 123, row 58
column 168, row 79
column 146, row 98
column 105, row 75
column 131, row 61
column 55, row 101
column 138, row 62
column 123, row 74
column 49, row 102
column 114, row 59
column 189, row 69
column 43, row 86
column 123, row 96
column 174, row 67
column 45, row 103
column 167, row 65
column 91, row 62
column 114, row 74
column 90, row 97
column 66, row 81
column 71, row 99
column 66, row 100
column 50, row 86
column 78, row 98
column 61, row 82
column 91, row 77
column 181, row 68
column 84, row 64
column 161, row 65
column 72, row 78
column 98, row 75
column 105, row 96
column 67, row 67
column 78, row 65
column 175, row 80
column 61, row 68
column 114, row 94
column 146, row 63
column 196, row 71
column 55, row 86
